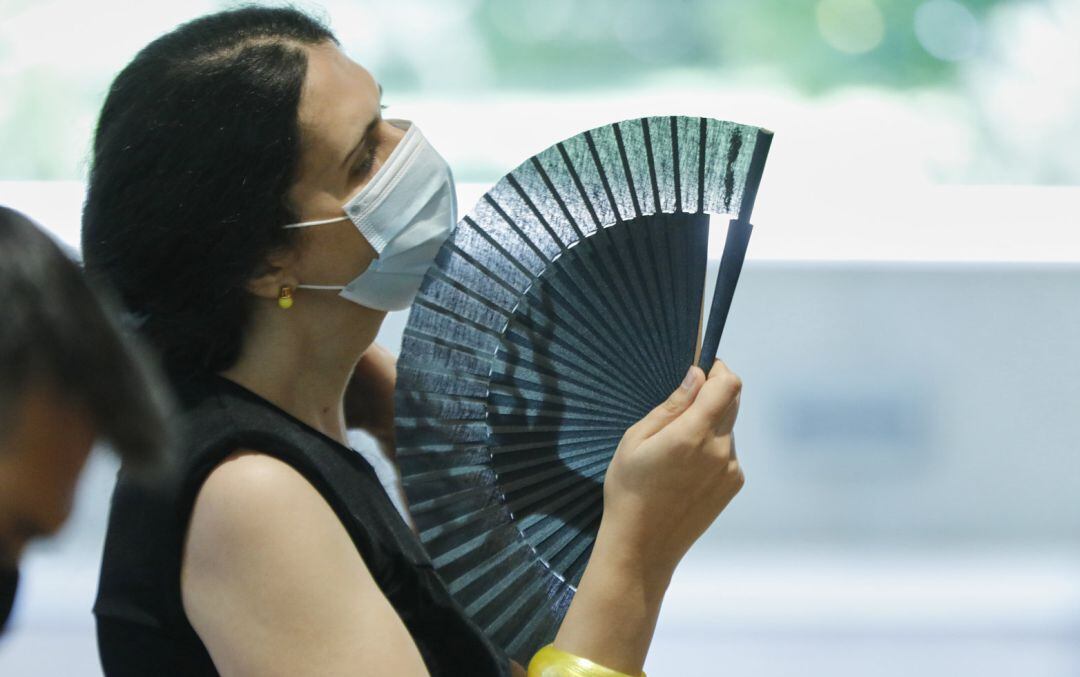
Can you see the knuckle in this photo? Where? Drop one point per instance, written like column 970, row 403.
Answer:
column 671, row 406
column 734, row 384
column 738, row 478
column 722, row 450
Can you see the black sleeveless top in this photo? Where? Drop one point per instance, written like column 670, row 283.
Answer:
column 142, row 628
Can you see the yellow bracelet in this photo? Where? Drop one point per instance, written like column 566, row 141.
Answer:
column 551, row 662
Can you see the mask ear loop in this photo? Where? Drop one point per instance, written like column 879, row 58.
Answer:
column 320, row 222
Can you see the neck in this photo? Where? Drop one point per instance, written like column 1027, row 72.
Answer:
column 298, row 361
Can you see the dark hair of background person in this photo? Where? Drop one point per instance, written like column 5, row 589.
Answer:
column 196, row 148
column 59, row 331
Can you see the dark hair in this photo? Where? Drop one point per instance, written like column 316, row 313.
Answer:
column 196, row 148
column 57, row 330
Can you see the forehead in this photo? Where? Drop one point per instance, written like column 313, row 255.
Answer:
column 339, row 98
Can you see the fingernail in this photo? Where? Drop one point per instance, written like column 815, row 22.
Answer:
column 688, row 380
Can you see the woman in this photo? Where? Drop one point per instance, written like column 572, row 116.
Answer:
column 243, row 176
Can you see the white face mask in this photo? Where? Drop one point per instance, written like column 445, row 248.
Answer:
column 405, row 212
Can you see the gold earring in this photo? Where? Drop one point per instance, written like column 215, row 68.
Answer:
column 285, row 299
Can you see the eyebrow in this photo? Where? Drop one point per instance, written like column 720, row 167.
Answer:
column 367, row 131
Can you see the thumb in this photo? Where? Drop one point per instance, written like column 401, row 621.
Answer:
column 668, row 410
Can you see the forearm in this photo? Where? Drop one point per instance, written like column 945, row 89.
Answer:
column 613, row 615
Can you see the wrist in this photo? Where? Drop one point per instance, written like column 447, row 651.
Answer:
column 623, row 555
column 614, row 612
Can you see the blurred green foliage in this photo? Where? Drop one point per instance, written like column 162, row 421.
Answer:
column 563, row 43
column 57, row 57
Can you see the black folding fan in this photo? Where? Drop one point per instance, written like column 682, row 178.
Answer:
column 563, row 308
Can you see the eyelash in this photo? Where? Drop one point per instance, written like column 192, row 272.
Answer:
column 365, row 165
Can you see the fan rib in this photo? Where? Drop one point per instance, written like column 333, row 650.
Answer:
column 575, row 556
column 473, row 324
column 595, row 412
column 702, row 132
column 601, row 231
column 477, row 548
column 659, row 244
column 658, row 347
column 627, row 328
column 578, row 345
column 495, row 277
column 620, row 144
column 517, row 230
column 607, row 332
column 627, row 400
column 584, row 470
column 574, row 450
column 558, row 198
column 536, row 211
column 450, row 498
column 521, row 430
column 551, row 363
column 450, row 527
column 729, row 173
column 615, row 272
column 530, row 593
column 463, row 375
column 595, row 281
column 510, row 258
column 575, row 398
column 647, row 134
column 603, row 177
column 478, row 570
column 506, row 449
column 645, row 255
column 552, row 551
column 653, row 318
column 522, row 502
column 579, row 185
column 487, row 302
column 676, row 251
column 675, row 170
column 424, row 337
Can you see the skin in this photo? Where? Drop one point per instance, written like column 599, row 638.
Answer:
column 41, row 456
column 270, row 579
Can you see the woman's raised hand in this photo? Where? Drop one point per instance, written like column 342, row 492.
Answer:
column 673, row 473
column 675, row 470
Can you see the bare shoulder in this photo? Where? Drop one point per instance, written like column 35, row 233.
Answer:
column 252, row 476
column 248, row 487
column 268, row 564
column 252, row 510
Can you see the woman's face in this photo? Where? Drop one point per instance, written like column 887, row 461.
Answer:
column 344, row 142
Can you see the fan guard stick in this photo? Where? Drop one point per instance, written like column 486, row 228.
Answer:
column 731, row 262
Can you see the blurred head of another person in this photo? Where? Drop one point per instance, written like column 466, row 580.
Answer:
column 68, row 377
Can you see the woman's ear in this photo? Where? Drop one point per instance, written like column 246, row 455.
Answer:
column 277, row 271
